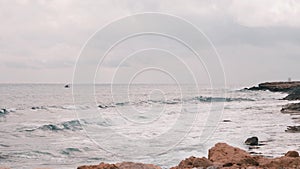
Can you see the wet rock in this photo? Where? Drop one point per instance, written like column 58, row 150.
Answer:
column 293, row 95
column 194, row 162
column 253, row 141
column 292, row 154
column 292, row 108
column 293, row 129
column 223, row 154
column 3, row 112
column 123, row 165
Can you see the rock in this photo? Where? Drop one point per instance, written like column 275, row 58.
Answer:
column 253, row 141
column 123, row 165
column 277, row 86
column 67, row 86
column 3, row 112
column 292, row 154
column 292, row 108
column 293, row 129
column 224, row 154
column 280, row 162
column 293, row 95
column 194, row 162
column 131, row 165
column 100, row 166
column 220, row 156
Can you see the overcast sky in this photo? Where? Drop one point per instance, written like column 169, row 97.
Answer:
column 257, row 40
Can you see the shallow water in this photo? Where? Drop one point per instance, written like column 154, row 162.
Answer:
column 49, row 126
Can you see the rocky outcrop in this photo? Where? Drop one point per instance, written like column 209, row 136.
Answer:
column 194, row 162
column 293, row 129
column 293, row 94
column 220, row 156
column 277, row 86
column 293, row 108
column 123, row 165
column 223, row 155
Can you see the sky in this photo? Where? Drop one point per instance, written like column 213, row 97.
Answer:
column 256, row 40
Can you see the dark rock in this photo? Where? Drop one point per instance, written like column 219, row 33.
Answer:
column 293, row 94
column 292, row 154
column 3, row 112
column 252, row 141
column 226, row 120
column 227, row 165
column 293, row 108
column 67, row 86
column 293, row 129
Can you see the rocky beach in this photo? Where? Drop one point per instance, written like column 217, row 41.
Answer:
column 223, row 155
column 220, row 156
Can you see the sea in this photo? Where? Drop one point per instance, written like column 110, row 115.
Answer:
column 53, row 126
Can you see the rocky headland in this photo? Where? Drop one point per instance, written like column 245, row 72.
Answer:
column 293, row 90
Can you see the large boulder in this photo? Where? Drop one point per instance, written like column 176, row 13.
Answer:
column 194, row 162
column 225, row 155
column 253, row 141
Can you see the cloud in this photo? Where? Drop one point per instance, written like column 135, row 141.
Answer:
column 266, row 13
column 47, row 35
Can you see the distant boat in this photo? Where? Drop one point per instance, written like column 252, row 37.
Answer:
column 67, row 86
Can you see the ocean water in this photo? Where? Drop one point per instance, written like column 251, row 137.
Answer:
column 47, row 125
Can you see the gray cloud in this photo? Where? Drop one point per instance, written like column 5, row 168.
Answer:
column 257, row 40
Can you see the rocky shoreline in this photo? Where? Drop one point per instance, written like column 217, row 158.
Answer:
column 223, row 155
column 293, row 90
column 220, row 156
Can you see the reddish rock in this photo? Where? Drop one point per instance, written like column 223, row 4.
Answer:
column 100, row 166
column 292, row 154
column 280, row 162
column 123, row 165
column 194, row 162
column 225, row 155
column 220, row 156
column 131, row 165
